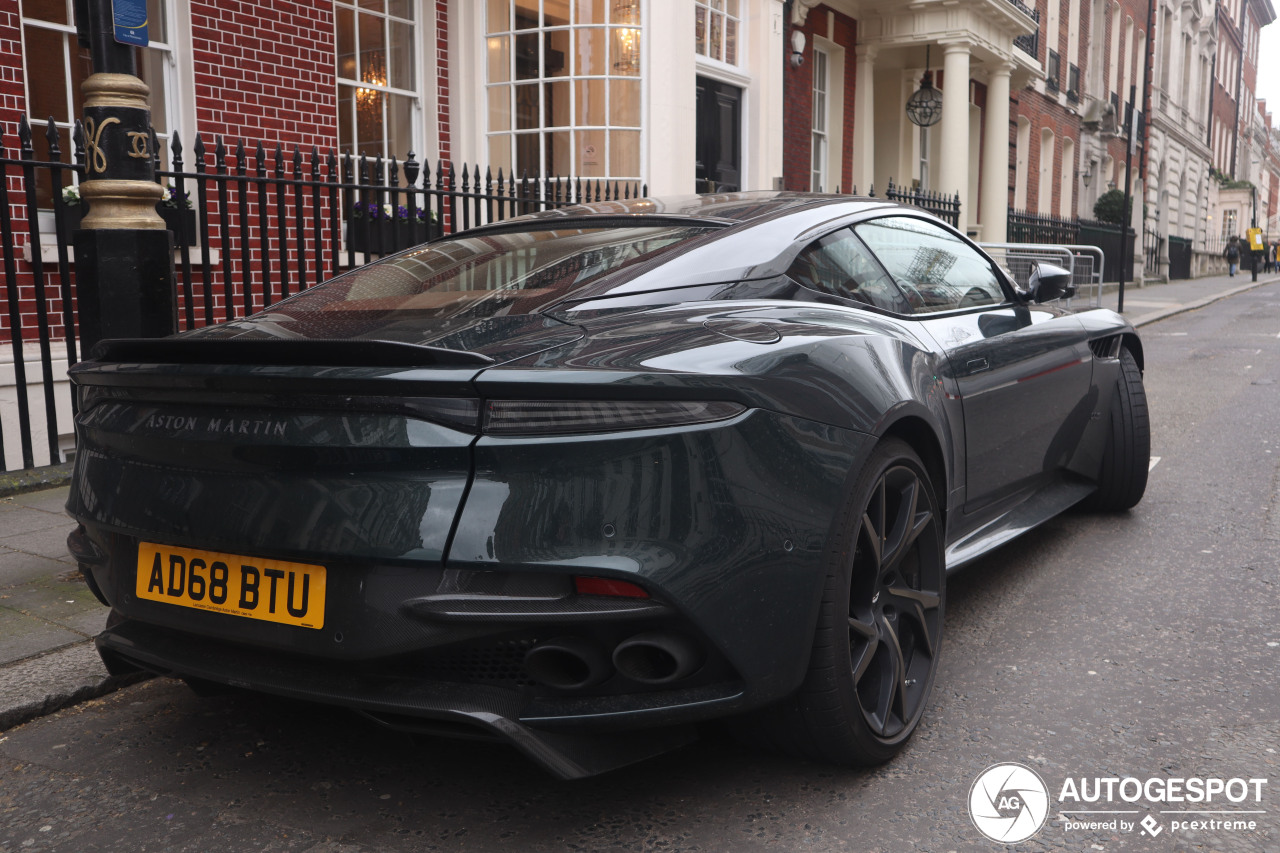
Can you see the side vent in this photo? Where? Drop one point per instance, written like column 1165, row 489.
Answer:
column 1108, row 347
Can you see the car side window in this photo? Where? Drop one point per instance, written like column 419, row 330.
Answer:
column 840, row 265
column 936, row 269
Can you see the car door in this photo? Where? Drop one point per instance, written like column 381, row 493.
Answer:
column 1023, row 373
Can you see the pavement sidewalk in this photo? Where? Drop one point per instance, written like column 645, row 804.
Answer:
column 48, row 616
column 47, row 613
column 1144, row 305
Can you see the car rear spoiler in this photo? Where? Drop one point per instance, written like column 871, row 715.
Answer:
column 283, row 352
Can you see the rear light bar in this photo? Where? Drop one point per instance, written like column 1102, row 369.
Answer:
column 568, row 417
column 497, row 417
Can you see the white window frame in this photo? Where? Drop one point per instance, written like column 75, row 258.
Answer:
column 820, row 122
column 574, row 126
column 709, row 10
column 179, row 88
column 173, row 104
column 423, row 43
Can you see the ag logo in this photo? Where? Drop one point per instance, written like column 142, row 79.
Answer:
column 1008, row 802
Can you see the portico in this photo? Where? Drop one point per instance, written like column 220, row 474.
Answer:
column 968, row 45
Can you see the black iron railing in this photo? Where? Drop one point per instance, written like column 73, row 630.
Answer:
column 37, row 300
column 311, row 215
column 1027, row 227
column 1029, row 43
column 1053, row 70
column 941, row 205
column 1151, row 249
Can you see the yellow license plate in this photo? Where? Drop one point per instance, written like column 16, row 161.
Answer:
column 253, row 587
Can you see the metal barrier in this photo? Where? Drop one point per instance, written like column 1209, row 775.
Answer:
column 1085, row 263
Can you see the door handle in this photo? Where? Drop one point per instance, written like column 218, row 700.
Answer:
column 976, row 365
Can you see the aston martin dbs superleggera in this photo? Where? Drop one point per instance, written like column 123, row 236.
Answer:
column 581, row 479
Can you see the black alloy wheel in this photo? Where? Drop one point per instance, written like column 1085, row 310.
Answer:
column 879, row 631
column 895, row 603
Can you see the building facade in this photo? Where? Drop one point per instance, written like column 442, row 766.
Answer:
column 706, row 95
column 1191, row 108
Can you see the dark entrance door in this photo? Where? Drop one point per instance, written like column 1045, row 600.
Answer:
column 719, row 145
column 1180, row 257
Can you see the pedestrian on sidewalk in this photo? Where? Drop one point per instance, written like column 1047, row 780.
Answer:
column 1232, row 254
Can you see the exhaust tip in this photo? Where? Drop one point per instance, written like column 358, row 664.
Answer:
column 567, row 663
column 657, row 658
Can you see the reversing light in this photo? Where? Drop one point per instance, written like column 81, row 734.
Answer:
column 551, row 417
column 607, row 586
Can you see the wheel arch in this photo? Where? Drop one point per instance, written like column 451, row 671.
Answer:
column 1133, row 344
column 922, row 437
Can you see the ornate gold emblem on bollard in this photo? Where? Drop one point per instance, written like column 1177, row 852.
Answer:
column 119, row 185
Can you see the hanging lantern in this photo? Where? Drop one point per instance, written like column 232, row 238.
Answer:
column 924, row 107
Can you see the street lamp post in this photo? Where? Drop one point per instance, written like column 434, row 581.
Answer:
column 124, row 254
column 1125, row 218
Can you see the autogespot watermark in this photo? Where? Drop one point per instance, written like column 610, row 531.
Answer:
column 1010, row 802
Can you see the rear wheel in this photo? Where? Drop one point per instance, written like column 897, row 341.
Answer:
column 879, row 629
column 1127, row 458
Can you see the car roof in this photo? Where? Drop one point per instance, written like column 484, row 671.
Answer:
column 724, row 208
column 751, row 232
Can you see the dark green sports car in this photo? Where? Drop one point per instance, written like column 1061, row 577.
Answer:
column 582, row 479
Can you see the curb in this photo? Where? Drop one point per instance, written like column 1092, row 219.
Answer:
column 80, row 677
column 1174, row 310
column 34, row 479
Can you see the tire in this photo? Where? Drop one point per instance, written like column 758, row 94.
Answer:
column 879, row 630
column 1122, row 479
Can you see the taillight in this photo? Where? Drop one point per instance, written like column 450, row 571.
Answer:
column 608, row 586
column 552, row 417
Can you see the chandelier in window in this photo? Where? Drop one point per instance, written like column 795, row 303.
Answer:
column 369, row 100
column 924, row 107
column 627, row 12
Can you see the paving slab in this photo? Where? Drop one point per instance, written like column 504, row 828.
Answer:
column 64, row 600
column 48, row 500
column 19, row 521
column 19, row 567
column 51, row 542
column 23, row 636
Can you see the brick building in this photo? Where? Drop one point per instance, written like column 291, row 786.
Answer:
column 818, row 135
column 1067, row 151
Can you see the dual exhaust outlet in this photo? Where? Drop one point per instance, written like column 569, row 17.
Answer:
column 574, row 663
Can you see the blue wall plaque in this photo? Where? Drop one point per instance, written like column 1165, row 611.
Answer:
column 130, row 18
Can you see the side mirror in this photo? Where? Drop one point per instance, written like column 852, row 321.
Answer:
column 1049, row 282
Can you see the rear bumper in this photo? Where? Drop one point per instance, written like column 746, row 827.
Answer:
column 726, row 526
column 413, row 705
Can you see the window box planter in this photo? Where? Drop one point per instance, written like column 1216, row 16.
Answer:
column 176, row 218
column 71, row 215
column 382, row 236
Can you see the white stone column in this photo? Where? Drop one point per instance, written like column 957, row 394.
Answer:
column 864, row 120
column 994, row 204
column 953, row 171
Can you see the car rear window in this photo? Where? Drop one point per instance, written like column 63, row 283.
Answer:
column 487, row 274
